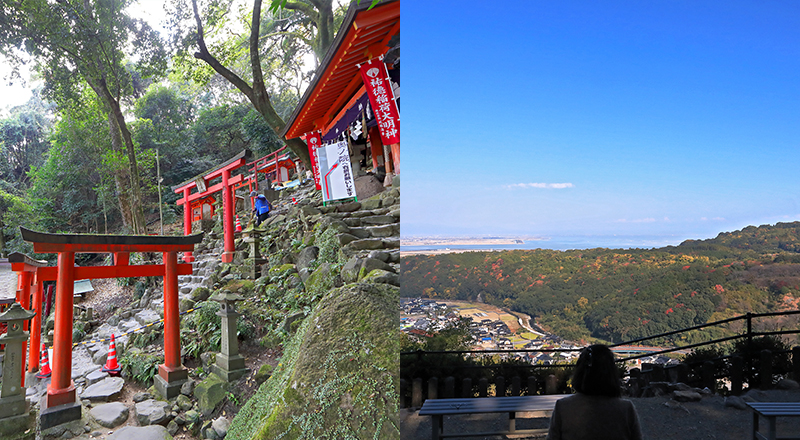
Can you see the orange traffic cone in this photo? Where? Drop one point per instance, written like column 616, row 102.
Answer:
column 238, row 225
column 112, row 367
column 44, row 368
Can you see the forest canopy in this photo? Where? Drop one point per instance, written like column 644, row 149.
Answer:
column 618, row 295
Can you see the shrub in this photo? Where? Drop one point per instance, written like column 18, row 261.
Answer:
column 140, row 366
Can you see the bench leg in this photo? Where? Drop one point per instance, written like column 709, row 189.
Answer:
column 755, row 425
column 512, row 422
column 771, row 422
column 437, row 422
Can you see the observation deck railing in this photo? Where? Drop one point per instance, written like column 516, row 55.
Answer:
column 506, row 374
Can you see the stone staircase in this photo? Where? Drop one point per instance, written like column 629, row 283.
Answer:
column 369, row 233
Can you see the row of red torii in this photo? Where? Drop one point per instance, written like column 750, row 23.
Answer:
column 60, row 404
column 194, row 203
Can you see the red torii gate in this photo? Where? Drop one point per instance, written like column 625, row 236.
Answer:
column 27, row 271
column 59, row 405
column 201, row 183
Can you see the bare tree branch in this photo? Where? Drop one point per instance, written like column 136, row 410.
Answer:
column 204, row 55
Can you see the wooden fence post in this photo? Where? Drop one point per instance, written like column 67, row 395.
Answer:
column 796, row 364
column 416, row 393
column 449, row 387
column 532, row 386
column 707, row 374
column 433, row 388
column 635, row 384
column 466, row 388
column 683, row 373
column 658, row 373
column 766, row 370
column 737, row 375
column 516, row 384
column 551, row 384
column 483, row 387
column 403, row 390
column 499, row 386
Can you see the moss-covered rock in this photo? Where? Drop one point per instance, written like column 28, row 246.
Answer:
column 338, row 375
column 263, row 373
column 321, row 280
column 209, row 393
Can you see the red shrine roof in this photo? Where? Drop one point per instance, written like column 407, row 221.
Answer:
column 364, row 34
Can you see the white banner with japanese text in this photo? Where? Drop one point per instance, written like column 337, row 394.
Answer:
column 336, row 174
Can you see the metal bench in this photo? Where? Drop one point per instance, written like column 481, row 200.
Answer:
column 771, row 411
column 438, row 408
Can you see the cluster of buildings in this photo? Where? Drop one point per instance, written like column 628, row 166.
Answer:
column 421, row 317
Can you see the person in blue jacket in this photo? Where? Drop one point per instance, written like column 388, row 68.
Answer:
column 262, row 207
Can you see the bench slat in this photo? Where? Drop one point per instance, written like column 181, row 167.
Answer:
column 490, row 405
column 785, row 409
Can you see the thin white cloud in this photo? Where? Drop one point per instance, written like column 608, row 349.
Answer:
column 637, row 220
column 540, row 185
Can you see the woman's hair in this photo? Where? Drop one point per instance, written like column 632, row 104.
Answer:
column 596, row 372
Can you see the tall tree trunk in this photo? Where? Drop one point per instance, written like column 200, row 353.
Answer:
column 121, row 141
column 120, row 176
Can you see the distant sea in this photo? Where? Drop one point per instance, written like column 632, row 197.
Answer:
column 567, row 243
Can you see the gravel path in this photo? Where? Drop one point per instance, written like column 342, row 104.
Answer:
column 661, row 418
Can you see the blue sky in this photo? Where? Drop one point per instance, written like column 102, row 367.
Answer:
column 677, row 118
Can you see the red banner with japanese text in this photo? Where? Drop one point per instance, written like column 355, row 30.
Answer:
column 379, row 90
column 314, row 141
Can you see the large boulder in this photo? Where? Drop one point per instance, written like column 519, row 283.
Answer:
column 366, row 187
column 347, row 347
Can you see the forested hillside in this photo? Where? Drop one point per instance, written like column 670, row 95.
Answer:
column 116, row 98
column 619, row 295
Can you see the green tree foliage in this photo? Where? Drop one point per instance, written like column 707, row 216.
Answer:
column 63, row 193
column 76, row 42
column 23, row 142
column 14, row 212
column 621, row 295
column 277, row 41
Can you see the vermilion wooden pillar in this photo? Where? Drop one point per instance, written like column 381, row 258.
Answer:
column 24, row 294
column 172, row 336
column 24, row 300
column 61, row 390
column 376, row 147
column 227, row 218
column 36, row 330
column 122, row 259
column 396, row 157
column 187, row 222
column 171, row 374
